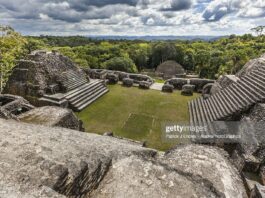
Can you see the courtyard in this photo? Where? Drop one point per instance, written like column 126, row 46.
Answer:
column 136, row 114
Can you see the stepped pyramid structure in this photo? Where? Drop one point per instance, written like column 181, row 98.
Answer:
column 49, row 78
column 231, row 101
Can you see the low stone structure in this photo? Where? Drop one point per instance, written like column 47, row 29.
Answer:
column 178, row 83
column 112, row 78
column 170, row 69
column 53, row 117
column 12, row 106
column 127, row 82
column 40, row 161
column 187, row 90
column 144, row 85
column 168, row 88
column 97, row 73
column 104, row 73
column 17, row 108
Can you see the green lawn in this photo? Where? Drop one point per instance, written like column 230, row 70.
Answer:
column 136, row 114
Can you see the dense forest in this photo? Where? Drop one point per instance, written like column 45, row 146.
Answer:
column 208, row 59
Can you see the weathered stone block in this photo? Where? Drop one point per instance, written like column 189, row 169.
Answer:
column 187, row 90
column 168, row 88
column 112, row 78
column 144, row 84
column 127, row 82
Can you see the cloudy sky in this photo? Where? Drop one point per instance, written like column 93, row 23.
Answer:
column 132, row 17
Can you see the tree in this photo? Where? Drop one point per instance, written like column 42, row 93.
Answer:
column 34, row 44
column 121, row 64
column 12, row 47
column 162, row 52
column 258, row 30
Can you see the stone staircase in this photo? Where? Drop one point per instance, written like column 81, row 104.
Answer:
column 80, row 97
column 233, row 100
column 71, row 80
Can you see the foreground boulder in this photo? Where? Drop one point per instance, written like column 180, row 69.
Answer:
column 40, row 161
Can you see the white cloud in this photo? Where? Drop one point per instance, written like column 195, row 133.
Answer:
column 128, row 17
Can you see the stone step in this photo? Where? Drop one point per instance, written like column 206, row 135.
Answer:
column 241, row 96
column 89, row 97
column 201, row 112
column 71, row 82
column 87, row 103
column 74, row 101
column 212, row 108
column 236, row 99
column 75, row 85
column 228, row 100
column 191, row 113
column 194, row 116
column 256, row 86
column 52, row 101
column 204, row 111
column 209, row 110
column 72, row 74
column 255, row 91
column 224, row 104
column 81, row 89
column 259, row 74
column 198, row 113
column 258, row 82
column 84, row 92
column 216, row 106
column 244, row 91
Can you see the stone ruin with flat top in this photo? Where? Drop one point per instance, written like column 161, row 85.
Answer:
column 49, row 78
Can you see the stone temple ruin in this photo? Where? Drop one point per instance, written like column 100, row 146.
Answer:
column 236, row 103
column 49, row 78
column 232, row 96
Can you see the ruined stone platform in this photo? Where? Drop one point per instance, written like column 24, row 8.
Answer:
column 78, row 98
column 234, row 99
column 40, row 161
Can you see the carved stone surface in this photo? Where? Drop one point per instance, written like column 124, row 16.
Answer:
column 40, row 161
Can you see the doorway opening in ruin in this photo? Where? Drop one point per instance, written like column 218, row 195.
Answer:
column 4, row 101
